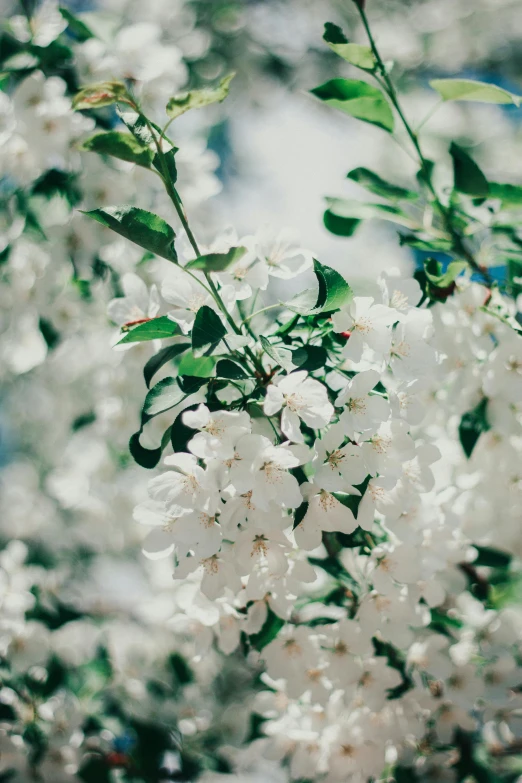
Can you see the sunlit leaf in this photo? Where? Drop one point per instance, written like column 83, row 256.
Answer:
column 470, row 90
column 197, row 99
column 356, row 54
column 120, row 145
column 358, row 99
column 144, row 228
column 96, row 96
column 217, row 262
column 153, row 329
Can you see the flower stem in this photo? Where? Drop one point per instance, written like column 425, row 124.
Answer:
column 459, row 246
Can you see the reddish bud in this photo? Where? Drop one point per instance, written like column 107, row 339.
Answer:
column 115, row 759
column 346, row 335
column 488, row 297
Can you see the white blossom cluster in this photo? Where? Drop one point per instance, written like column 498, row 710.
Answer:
column 328, row 532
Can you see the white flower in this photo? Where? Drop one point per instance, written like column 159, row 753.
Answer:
column 388, row 450
column 194, row 531
column 187, row 296
column 45, row 26
column 400, row 293
column 376, row 498
column 363, row 411
column 300, row 397
column 136, row 305
column 219, row 431
column 338, row 467
column 283, row 256
column 410, row 354
column 325, row 513
column 245, row 276
column 394, row 564
column 217, row 574
column 368, row 325
column 264, row 470
column 186, row 488
column 259, row 548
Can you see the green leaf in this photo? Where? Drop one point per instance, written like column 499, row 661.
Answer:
column 161, row 358
column 467, row 176
column 440, row 279
column 309, row 357
column 76, row 26
column 154, row 329
column 147, row 458
column 510, row 195
column 191, row 383
column 268, row 632
column 197, row 99
column 217, row 262
column 300, row 513
column 351, row 209
column 281, row 356
column 360, row 56
column 358, row 99
column 340, row 226
column 207, row 332
column 426, row 243
column 96, row 96
column 226, row 368
column 120, row 145
column 137, row 124
column 200, row 366
column 164, row 395
column 491, row 557
column 143, row 228
column 333, row 293
column 469, row 90
column 472, row 425
column 372, row 182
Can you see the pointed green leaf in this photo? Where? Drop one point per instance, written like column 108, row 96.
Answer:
column 197, row 99
column 281, row 356
column 196, row 366
column 163, row 396
column 333, row 293
column 472, row 425
column 468, row 178
column 153, row 329
column 96, row 96
column 309, row 357
column 268, row 632
column 226, row 368
column 217, row 262
column 440, row 279
column 358, row 99
column 360, row 56
column 359, row 210
column 372, row 182
column 76, row 26
column 470, row 90
column 207, row 332
column 144, row 228
column 148, row 458
column 510, row 195
column 161, row 358
column 120, row 145
column 491, row 557
column 340, row 226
